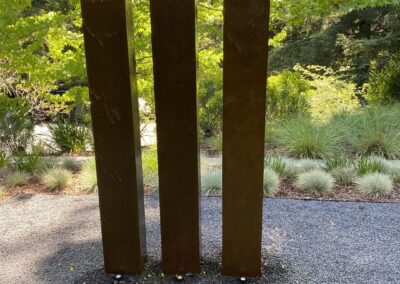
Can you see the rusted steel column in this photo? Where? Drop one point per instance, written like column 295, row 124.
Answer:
column 244, row 80
column 107, row 27
column 174, row 56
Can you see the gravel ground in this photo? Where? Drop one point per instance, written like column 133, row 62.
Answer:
column 56, row 239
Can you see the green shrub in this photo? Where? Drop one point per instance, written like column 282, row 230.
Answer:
column 3, row 160
column 344, row 175
column 211, row 181
column 271, row 182
column 210, row 101
column 56, row 178
column 88, row 176
column 284, row 167
column 27, row 162
column 150, row 166
column 70, row 136
column 301, row 138
column 16, row 178
column 330, row 95
column 375, row 184
column 287, row 94
column 16, row 128
column 315, row 181
column 384, row 85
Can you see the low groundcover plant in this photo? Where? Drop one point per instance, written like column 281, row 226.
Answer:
column 315, row 181
column 375, row 184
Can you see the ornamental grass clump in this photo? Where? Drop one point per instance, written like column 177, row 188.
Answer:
column 385, row 165
column 70, row 136
column 56, row 178
column 69, row 164
column 394, row 173
column 315, row 182
column 88, row 176
column 372, row 165
column 306, row 165
column 3, row 159
column 344, row 175
column 303, row 138
column 284, row 167
column 375, row 184
column 150, row 167
column 24, row 162
column 211, row 181
column 216, row 142
column 375, row 131
column 271, row 182
column 16, row 178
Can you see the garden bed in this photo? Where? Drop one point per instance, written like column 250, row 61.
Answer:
column 286, row 190
column 36, row 187
column 281, row 174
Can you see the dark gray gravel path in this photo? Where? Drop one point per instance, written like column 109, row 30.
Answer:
column 56, row 239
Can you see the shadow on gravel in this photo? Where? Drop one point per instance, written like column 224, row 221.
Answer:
column 22, row 198
column 82, row 263
column 81, row 260
column 277, row 271
column 303, row 242
column 69, row 265
column 72, row 255
column 98, row 276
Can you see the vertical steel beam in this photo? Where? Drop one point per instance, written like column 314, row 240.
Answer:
column 107, row 27
column 173, row 25
column 244, row 81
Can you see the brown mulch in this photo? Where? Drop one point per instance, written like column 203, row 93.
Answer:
column 339, row 193
column 286, row 190
column 35, row 187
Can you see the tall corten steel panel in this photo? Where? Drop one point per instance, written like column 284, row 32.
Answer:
column 245, row 75
column 107, row 27
column 174, row 56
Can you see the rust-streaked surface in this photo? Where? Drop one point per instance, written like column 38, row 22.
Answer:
column 245, row 75
column 107, row 26
column 174, row 55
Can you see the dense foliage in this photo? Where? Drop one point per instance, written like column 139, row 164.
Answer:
column 42, row 56
column 16, row 128
column 288, row 94
column 70, row 136
column 328, row 59
column 384, row 85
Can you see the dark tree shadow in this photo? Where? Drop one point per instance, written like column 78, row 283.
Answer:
column 82, row 261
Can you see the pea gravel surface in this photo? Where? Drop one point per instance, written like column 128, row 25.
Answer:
column 56, row 239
